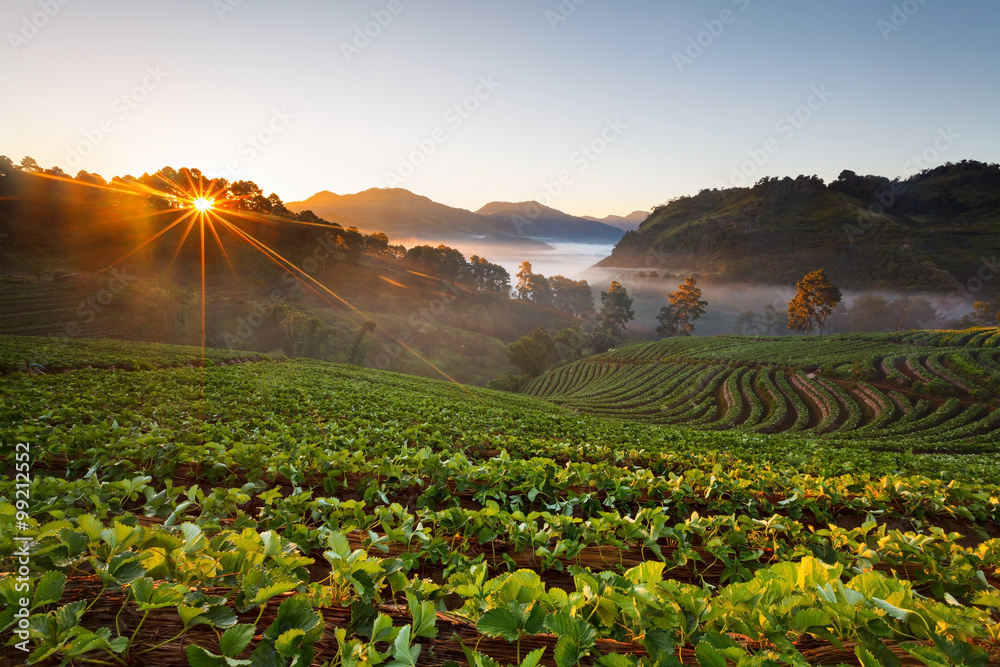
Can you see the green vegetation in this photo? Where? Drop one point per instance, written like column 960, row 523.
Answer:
column 97, row 259
column 915, row 391
column 310, row 513
column 932, row 231
column 815, row 299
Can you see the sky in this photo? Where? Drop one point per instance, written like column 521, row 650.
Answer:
column 594, row 107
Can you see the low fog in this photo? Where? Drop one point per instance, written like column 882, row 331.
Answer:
column 760, row 310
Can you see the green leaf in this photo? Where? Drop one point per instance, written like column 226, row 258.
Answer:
column 402, row 652
column 189, row 614
column 865, row 658
column 90, row 525
column 235, row 639
column 499, row 622
column 290, row 641
column 126, row 568
column 897, row 613
column 219, row 616
column 928, row 655
column 382, row 630
column 531, row 660
column 424, row 617
column 273, row 589
column 142, row 590
column 808, row 618
column 339, row 546
column 567, row 652
column 48, row 589
column 615, row 660
column 194, row 538
column 199, row 657
column 708, row 656
column 296, row 612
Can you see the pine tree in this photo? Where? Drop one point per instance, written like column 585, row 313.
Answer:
column 815, row 300
column 685, row 306
column 616, row 309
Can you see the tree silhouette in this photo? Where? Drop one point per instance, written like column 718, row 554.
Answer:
column 685, row 306
column 616, row 309
column 815, row 300
column 532, row 286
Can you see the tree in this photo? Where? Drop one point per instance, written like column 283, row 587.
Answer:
column 359, row 348
column 532, row 286
column 872, row 313
column 571, row 296
column 488, row 277
column 616, row 309
column 533, row 353
column 815, row 300
column 668, row 324
column 685, row 306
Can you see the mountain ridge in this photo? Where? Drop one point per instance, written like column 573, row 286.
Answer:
column 401, row 213
column 933, row 230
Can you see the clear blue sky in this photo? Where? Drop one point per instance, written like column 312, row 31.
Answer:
column 677, row 126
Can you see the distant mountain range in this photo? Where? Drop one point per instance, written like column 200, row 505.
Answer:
column 402, row 214
column 626, row 223
column 938, row 230
column 541, row 222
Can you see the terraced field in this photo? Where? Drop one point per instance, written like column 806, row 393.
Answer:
column 930, row 391
column 272, row 512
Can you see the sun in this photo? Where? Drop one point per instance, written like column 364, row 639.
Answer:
column 203, row 204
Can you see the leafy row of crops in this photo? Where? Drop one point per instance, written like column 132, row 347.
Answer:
column 929, row 392
column 309, row 513
column 30, row 354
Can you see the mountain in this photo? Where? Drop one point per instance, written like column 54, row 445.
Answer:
column 625, row 223
column 541, row 222
column 401, row 214
column 934, row 230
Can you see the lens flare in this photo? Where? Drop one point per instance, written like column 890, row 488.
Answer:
column 203, row 204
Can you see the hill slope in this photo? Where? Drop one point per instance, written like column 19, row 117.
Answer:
column 626, row 223
column 931, row 231
column 928, row 391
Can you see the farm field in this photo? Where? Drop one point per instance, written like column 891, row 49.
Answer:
column 264, row 511
column 918, row 391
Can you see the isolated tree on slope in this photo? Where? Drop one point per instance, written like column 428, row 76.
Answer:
column 616, row 309
column 815, row 300
column 533, row 353
column 684, row 307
